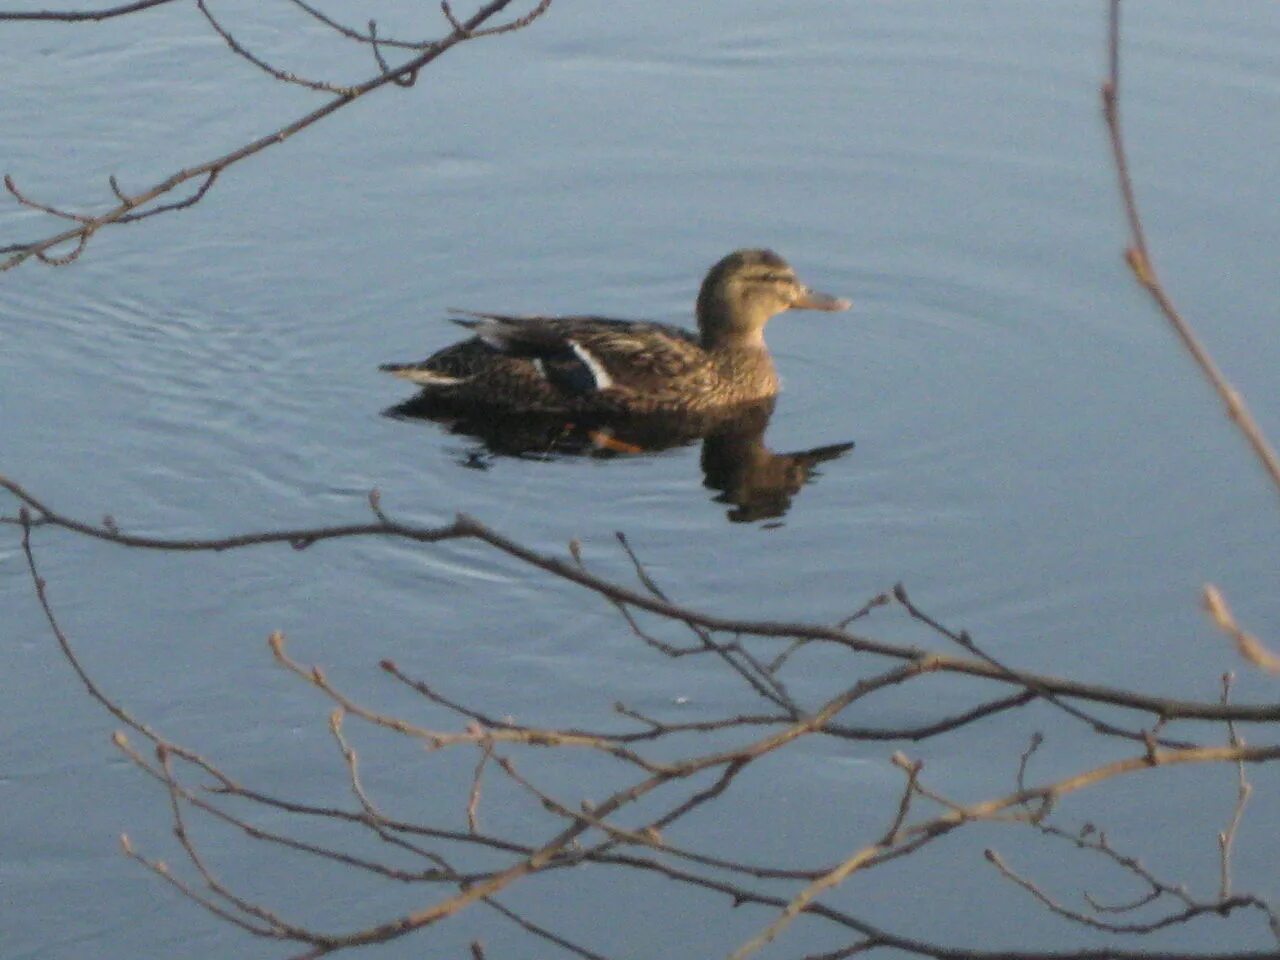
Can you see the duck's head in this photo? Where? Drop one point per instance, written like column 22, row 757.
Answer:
column 744, row 290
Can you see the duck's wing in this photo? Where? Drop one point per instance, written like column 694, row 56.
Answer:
column 586, row 354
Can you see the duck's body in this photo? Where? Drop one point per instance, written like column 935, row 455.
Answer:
column 596, row 365
column 591, row 365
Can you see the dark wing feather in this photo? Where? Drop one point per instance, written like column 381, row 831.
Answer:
column 517, row 336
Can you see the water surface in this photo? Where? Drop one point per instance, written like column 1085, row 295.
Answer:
column 1035, row 457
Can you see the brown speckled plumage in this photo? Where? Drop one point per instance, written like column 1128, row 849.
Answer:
column 602, row 366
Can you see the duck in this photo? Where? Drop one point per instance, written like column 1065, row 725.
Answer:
column 591, row 365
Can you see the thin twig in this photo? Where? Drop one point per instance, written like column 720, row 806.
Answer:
column 352, row 34
column 1249, row 646
column 1226, row 839
column 1139, row 259
column 284, row 76
column 541, row 932
column 78, row 16
column 473, row 798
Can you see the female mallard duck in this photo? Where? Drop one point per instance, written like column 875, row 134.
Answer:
column 591, row 365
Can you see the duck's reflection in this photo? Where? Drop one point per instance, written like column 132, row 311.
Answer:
column 757, row 483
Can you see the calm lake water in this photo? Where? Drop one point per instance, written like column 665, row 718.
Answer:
column 1035, row 457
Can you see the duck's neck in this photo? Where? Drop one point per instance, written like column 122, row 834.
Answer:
column 746, row 373
column 723, row 329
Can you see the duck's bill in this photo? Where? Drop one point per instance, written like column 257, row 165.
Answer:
column 813, row 300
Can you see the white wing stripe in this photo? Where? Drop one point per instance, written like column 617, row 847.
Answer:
column 598, row 372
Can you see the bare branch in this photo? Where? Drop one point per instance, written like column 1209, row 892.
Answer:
column 282, row 75
column 352, row 34
column 1218, row 907
column 36, row 205
column 986, row 810
column 464, row 527
column 123, row 211
column 1050, row 695
column 1139, row 259
column 1023, row 806
column 1244, row 789
column 538, row 931
column 517, row 24
column 80, row 16
column 1249, row 646
column 161, row 869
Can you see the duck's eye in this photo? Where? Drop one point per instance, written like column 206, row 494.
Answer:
column 777, row 278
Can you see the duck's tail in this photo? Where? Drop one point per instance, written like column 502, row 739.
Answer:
column 417, row 373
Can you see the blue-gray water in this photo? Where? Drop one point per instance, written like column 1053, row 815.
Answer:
column 1036, row 458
